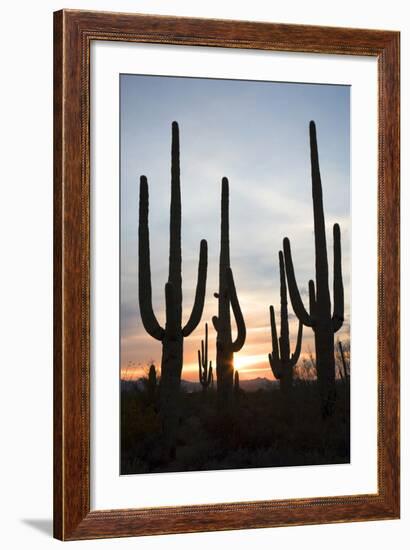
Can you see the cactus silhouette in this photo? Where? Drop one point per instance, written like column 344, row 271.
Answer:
column 236, row 387
column 320, row 318
column 227, row 298
column 152, row 383
column 342, row 356
column 205, row 368
column 281, row 362
column 173, row 334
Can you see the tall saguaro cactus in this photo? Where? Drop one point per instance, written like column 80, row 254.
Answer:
column 227, row 298
column 204, row 368
column 281, row 362
column 173, row 334
column 320, row 317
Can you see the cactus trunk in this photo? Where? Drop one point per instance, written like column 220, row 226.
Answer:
column 173, row 334
column 172, row 343
column 171, row 368
column 227, row 297
column 324, row 335
column 281, row 362
column 224, row 352
column 175, row 253
column 325, row 365
column 320, row 318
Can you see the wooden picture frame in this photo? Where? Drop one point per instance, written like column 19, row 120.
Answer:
column 73, row 33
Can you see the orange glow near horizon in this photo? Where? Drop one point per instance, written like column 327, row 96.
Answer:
column 241, row 362
column 256, row 364
column 249, row 366
column 139, row 350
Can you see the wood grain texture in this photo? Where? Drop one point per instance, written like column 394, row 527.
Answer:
column 73, row 32
column 58, row 281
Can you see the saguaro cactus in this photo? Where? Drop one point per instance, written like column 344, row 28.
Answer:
column 204, row 368
column 172, row 335
column 236, row 386
column 152, row 383
column 320, row 318
column 342, row 356
column 225, row 346
column 281, row 362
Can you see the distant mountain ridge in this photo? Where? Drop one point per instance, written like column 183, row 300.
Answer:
column 255, row 384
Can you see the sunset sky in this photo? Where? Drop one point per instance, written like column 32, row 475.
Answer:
column 257, row 135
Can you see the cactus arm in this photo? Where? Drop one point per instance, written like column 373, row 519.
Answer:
column 274, row 359
column 238, row 343
column 338, row 294
column 148, row 318
column 275, row 348
column 294, row 294
column 199, row 301
column 204, row 360
column 276, row 366
column 206, row 347
column 171, row 327
column 202, row 353
column 215, row 322
column 199, row 366
column 284, row 324
column 312, row 301
column 296, row 354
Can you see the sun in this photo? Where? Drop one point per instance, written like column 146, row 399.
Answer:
column 244, row 361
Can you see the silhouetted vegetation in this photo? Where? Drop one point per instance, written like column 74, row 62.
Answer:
column 236, row 386
column 343, row 359
column 227, row 299
column 205, row 372
column 280, row 360
column 260, row 431
column 151, row 384
column 320, row 318
column 172, row 336
column 303, row 421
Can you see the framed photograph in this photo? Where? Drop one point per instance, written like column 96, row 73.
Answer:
column 226, row 275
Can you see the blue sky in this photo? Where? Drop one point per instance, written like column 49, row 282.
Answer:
column 256, row 134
